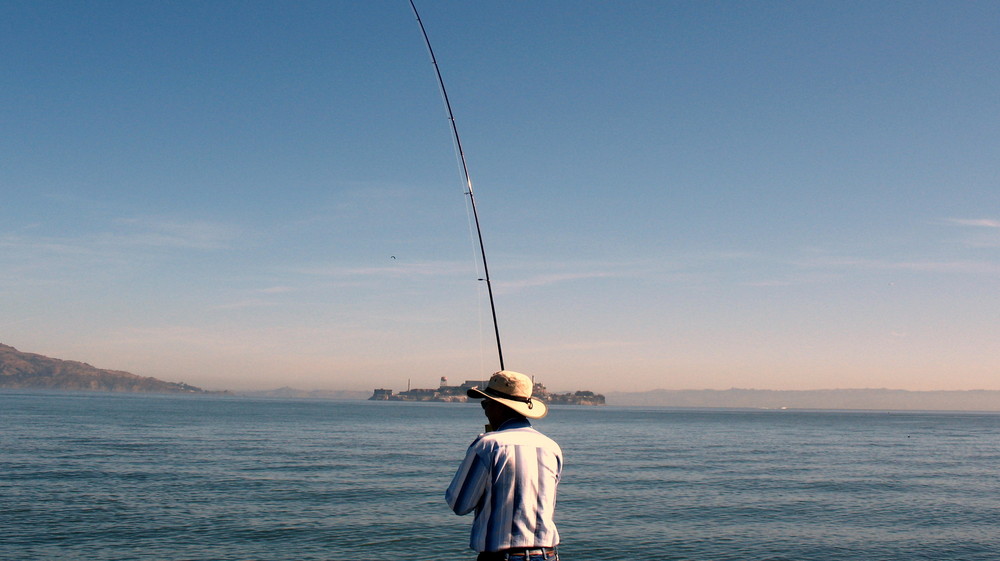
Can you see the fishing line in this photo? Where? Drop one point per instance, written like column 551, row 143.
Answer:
column 468, row 178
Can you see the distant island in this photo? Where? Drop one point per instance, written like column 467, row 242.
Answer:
column 453, row 394
column 19, row 370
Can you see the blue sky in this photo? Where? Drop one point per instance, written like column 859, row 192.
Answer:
column 673, row 194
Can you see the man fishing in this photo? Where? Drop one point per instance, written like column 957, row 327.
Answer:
column 509, row 476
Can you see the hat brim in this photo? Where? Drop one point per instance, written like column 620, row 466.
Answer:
column 536, row 409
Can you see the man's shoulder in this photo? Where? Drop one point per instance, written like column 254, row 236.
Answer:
column 520, row 436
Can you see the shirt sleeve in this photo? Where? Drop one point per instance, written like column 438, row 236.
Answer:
column 466, row 489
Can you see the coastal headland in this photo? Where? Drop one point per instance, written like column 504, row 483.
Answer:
column 20, row 370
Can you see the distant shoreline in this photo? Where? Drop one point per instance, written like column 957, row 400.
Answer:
column 866, row 399
column 847, row 400
column 23, row 371
column 839, row 399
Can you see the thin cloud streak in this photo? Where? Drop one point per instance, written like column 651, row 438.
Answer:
column 257, row 298
column 423, row 269
column 171, row 233
column 975, row 222
column 949, row 267
column 245, row 304
column 550, row 279
column 582, row 346
column 275, row 290
column 985, row 233
column 142, row 233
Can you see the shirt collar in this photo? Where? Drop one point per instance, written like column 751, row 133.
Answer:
column 514, row 423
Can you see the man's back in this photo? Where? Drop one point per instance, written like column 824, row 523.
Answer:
column 509, row 477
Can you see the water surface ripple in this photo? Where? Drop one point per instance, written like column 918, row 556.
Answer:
column 119, row 477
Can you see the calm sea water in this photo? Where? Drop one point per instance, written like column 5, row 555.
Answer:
column 116, row 477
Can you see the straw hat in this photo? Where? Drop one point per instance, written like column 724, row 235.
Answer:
column 512, row 389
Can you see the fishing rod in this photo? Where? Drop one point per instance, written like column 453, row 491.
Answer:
column 468, row 178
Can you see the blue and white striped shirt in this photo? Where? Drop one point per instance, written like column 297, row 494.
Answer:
column 509, row 478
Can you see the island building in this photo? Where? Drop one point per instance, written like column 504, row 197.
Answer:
column 448, row 393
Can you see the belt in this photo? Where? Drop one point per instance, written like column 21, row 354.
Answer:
column 505, row 554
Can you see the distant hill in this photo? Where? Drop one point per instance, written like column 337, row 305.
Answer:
column 868, row 399
column 31, row 371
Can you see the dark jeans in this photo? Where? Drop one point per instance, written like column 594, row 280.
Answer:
column 531, row 555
